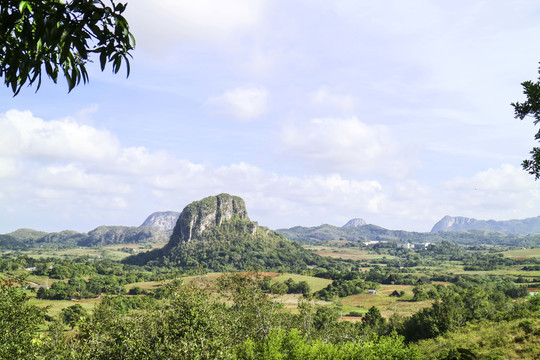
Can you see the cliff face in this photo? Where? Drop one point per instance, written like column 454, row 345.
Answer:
column 203, row 214
column 163, row 220
column 454, row 223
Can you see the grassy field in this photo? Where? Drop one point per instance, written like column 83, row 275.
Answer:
column 55, row 306
column 387, row 304
column 522, row 253
column 346, row 253
column 315, row 283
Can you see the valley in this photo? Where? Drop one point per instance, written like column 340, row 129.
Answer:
column 326, row 285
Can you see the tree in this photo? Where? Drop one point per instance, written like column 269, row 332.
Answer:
column 54, row 36
column 19, row 323
column 531, row 107
column 72, row 314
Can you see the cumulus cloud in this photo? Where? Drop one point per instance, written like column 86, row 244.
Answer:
column 23, row 134
column 54, row 176
column 74, row 186
column 334, row 145
column 243, row 103
column 503, row 192
column 342, row 102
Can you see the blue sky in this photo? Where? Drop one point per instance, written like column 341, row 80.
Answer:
column 312, row 111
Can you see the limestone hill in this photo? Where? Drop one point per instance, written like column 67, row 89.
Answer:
column 217, row 234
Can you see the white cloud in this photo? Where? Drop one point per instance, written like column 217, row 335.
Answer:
column 244, row 103
column 345, row 145
column 499, row 193
column 342, row 102
column 67, row 188
column 25, row 135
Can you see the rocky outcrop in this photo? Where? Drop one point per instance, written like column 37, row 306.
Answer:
column 164, row 220
column 355, row 223
column 201, row 215
column 459, row 223
column 455, row 223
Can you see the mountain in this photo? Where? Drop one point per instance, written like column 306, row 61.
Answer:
column 27, row 234
column 8, row 242
column 163, row 220
column 104, row 235
column 524, row 226
column 355, row 223
column 217, row 234
column 108, row 235
column 369, row 232
column 201, row 215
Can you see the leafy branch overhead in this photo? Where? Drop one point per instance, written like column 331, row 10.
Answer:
column 58, row 37
column 531, row 107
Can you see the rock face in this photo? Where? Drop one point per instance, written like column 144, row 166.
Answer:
column 449, row 223
column 203, row 214
column 458, row 223
column 164, row 220
column 355, row 223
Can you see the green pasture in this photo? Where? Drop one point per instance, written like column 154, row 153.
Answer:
column 522, row 253
column 315, row 283
column 347, row 253
column 55, row 306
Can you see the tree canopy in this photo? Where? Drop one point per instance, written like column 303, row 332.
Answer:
column 531, row 108
column 55, row 36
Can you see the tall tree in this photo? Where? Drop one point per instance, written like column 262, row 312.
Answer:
column 59, row 36
column 530, row 108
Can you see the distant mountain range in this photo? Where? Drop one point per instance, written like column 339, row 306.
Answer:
column 373, row 233
column 159, row 226
column 459, row 223
column 23, row 239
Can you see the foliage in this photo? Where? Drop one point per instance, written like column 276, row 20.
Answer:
column 72, row 314
column 59, row 36
column 18, row 323
column 530, row 107
column 292, row 345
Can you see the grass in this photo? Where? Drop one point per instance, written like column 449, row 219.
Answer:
column 54, row 307
column 346, row 253
column 315, row 283
column 387, row 304
column 522, row 253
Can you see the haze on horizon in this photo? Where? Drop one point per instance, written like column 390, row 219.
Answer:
column 312, row 111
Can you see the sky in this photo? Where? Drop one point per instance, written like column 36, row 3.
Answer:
column 312, row 111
